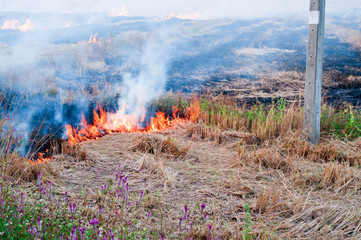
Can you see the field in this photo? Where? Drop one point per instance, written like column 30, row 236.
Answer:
column 121, row 127
column 235, row 172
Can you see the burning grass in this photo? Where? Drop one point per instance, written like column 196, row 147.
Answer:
column 13, row 164
column 235, row 172
column 112, row 122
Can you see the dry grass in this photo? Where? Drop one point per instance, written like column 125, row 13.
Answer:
column 241, row 156
column 19, row 168
column 147, row 144
column 337, row 176
column 76, row 151
column 291, row 194
column 158, row 145
column 203, row 131
column 13, row 164
column 268, row 202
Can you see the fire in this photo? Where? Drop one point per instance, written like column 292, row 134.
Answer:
column 114, row 122
column 93, row 39
column 15, row 25
column 119, row 12
column 40, row 159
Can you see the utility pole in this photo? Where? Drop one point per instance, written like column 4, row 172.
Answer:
column 313, row 87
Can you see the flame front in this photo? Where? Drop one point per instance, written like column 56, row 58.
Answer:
column 40, row 159
column 114, row 122
column 15, row 25
column 93, row 39
column 119, row 12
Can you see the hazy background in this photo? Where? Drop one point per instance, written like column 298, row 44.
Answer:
column 203, row 8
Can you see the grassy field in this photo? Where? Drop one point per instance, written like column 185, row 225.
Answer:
column 235, row 172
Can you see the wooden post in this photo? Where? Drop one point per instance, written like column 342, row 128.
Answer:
column 313, row 87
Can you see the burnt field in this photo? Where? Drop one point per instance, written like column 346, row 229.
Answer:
column 71, row 62
column 195, row 53
column 167, row 128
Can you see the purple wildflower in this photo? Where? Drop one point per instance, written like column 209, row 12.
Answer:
column 210, row 228
column 39, row 223
column 100, row 210
column 42, row 190
column 180, row 223
column 126, row 195
column 203, row 206
column 163, row 236
column 20, row 212
column 82, row 233
column 73, row 233
column 111, row 234
column 120, row 180
column 72, row 208
column 94, row 222
column 140, row 197
column 148, row 215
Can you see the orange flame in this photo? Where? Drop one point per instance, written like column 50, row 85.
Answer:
column 119, row 12
column 15, row 25
column 114, row 122
column 40, row 159
column 93, row 39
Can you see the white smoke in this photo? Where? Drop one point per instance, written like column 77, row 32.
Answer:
column 148, row 8
column 151, row 80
